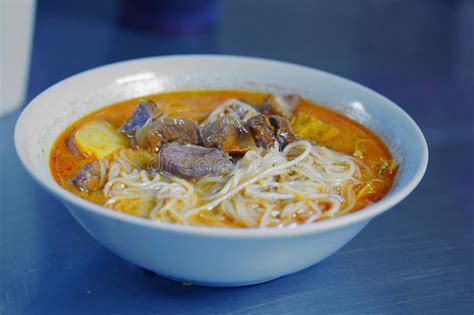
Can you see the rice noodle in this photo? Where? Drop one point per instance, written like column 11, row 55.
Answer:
column 301, row 184
column 232, row 106
column 103, row 164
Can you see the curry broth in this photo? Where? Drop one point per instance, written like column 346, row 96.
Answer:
column 352, row 137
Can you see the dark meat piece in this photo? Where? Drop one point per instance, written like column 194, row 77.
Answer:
column 191, row 161
column 262, row 132
column 87, row 178
column 229, row 134
column 283, row 130
column 145, row 110
column 154, row 134
column 279, row 105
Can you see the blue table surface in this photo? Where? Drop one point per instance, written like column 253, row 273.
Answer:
column 417, row 258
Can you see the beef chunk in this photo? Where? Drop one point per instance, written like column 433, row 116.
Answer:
column 145, row 111
column 279, row 105
column 88, row 177
column 283, row 131
column 154, row 134
column 191, row 161
column 261, row 131
column 229, row 134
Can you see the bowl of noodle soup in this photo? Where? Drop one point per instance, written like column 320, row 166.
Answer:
column 174, row 238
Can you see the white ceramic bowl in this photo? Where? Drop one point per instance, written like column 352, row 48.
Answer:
column 206, row 255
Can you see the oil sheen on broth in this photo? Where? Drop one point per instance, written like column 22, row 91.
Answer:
column 227, row 158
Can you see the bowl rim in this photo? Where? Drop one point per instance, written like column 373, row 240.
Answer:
column 364, row 214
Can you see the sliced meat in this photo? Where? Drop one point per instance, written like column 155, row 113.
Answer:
column 191, row 161
column 154, row 134
column 279, row 105
column 229, row 134
column 145, row 111
column 285, row 105
column 283, row 130
column 261, row 131
column 88, row 178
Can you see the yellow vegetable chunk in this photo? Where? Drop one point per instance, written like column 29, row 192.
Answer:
column 310, row 127
column 99, row 139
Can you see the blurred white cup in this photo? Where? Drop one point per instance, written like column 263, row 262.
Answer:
column 16, row 30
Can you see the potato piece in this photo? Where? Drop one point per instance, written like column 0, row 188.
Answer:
column 99, row 139
column 309, row 127
column 313, row 128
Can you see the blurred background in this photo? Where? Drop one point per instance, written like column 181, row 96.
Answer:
column 418, row 258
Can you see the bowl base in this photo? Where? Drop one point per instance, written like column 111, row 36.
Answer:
column 189, row 283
